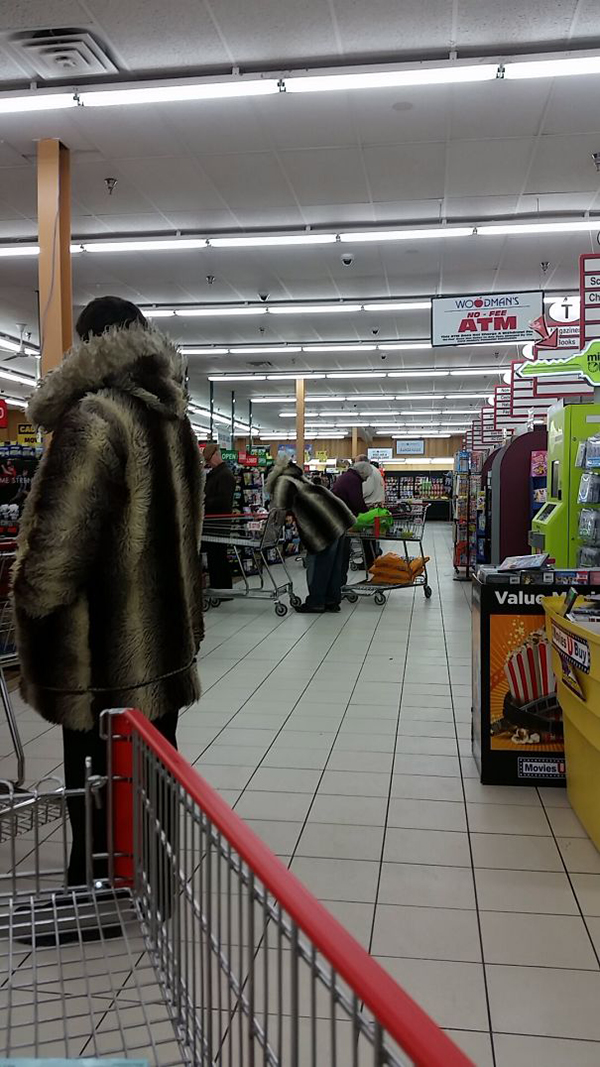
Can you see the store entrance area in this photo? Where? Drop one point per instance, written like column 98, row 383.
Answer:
column 343, row 741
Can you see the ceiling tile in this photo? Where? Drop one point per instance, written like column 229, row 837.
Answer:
column 397, row 173
column 492, row 166
column 154, row 179
column 325, row 176
column 253, row 181
column 564, row 164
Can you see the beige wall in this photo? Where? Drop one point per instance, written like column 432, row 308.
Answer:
column 445, row 446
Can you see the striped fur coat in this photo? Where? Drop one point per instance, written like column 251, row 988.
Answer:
column 319, row 515
column 107, row 583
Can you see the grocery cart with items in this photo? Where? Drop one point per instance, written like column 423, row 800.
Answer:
column 13, row 795
column 197, row 946
column 404, row 525
column 255, row 536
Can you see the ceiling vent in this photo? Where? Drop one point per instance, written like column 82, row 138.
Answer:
column 259, row 363
column 65, row 53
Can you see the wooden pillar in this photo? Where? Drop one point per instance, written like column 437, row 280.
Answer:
column 300, row 392
column 54, row 267
column 354, row 442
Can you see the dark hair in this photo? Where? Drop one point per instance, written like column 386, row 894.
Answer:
column 106, row 311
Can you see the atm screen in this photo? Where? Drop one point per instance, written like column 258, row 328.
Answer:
column 545, row 512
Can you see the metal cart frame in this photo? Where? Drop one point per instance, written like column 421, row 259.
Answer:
column 12, row 795
column 406, row 527
column 258, row 534
column 206, row 949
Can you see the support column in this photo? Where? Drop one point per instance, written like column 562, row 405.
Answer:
column 300, row 392
column 211, row 408
column 232, row 418
column 54, row 265
column 250, row 423
column 354, row 442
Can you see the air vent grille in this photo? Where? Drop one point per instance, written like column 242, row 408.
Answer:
column 259, row 363
column 65, row 53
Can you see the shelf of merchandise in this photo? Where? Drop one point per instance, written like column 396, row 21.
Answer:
column 248, row 496
column 466, row 486
column 430, row 487
column 588, row 502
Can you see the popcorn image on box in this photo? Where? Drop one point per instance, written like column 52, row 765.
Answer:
column 529, row 670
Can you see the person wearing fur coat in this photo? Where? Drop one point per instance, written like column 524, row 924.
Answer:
column 322, row 520
column 106, row 584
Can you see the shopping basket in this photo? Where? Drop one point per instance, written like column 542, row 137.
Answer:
column 9, row 660
column 210, row 951
column 405, row 526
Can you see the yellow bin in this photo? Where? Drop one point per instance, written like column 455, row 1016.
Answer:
column 576, row 662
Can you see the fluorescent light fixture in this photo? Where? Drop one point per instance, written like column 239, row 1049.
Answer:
column 363, row 398
column 21, row 379
column 419, row 396
column 192, row 351
column 425, row 373
column 451, row 73
column 8, row 251
column 399, row 305
column 292, row 414
column 15, row 105
column 357, row 374
column 236, row 377
column 166, row 94
column 292, row 377
column 403, row 346
column 477, row 372
column 158, row 313
column 340, row 348
column 15, row 401
column 460, row 411
column 423, row 233
column 368, row 414
column 225, row 312
column 161, row 244
column 552, row 68
column 465, row 396
column 259, row 350
column 313, row 309
column 275, row 399
column 273, row 241
column 518, row 229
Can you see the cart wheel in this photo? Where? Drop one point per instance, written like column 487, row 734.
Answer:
column 295, row 601
column 281, row 609
column 380, row 599
column 214, row 602
column 205, row 603
column 351, row 597
column 354, row 566
column 428, row 591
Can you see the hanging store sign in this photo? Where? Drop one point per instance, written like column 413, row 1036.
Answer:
column 504, row 318
column 27, row 434
column 380, row 455
column 410, row 447
column 585, row 365
column 558, row 329
column 589, row 292
column 3, row 415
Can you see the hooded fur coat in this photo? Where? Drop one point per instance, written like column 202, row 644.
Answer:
column 107, row 579
column 320, row 517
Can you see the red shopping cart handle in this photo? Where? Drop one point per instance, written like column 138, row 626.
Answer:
column 403, row 1020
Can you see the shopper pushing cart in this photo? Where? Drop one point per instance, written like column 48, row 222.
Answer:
column 404, row 527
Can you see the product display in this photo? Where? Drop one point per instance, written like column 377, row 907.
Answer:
column 468, row 466
column 431, row 488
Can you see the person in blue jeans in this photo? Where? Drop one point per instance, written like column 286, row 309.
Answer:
column 322, row 521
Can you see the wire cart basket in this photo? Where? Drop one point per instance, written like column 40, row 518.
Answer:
column 406, row 527
column 198, row 947
column 13, row 800
column 257, row 534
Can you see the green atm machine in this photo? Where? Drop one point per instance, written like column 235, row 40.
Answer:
column 556, row 525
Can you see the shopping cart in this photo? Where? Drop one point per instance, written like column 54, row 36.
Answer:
column 251, row 538
column 9, row 661
column 210, row 951
column 406, row 527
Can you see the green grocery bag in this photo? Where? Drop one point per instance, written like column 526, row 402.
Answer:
column 367, row 518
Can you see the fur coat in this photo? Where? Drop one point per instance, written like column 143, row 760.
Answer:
column 107, row 579
column 320, row 517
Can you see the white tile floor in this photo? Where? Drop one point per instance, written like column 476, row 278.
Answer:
column 344, row 741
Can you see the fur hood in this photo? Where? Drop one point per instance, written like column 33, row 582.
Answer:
column 139, row 361
column 284, row 464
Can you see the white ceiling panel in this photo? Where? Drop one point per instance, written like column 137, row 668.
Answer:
column 513, row 22
column 23, row 14
column 396, row 173
column 267, row 31
column 564, row 163
column 498, row 109
column 387, row 27
column 286, row 123
column 573, row 106
column 326, row 176
column 254, row 180
column 476, row 167
column 154, row 179
column 150, row 34
column 90, row 193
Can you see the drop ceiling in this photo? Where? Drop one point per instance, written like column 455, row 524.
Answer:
column 334, row 160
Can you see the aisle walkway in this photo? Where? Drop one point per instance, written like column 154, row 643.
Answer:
column 343, row 740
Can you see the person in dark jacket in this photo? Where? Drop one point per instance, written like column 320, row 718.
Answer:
column 350, row 488
column 218, row 500
column 322, row 520
column 107, row 590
